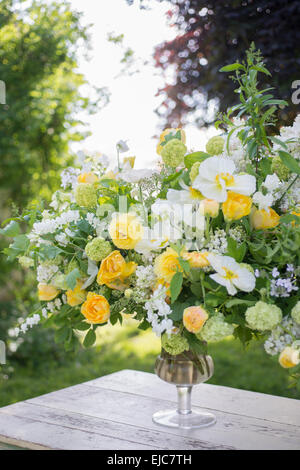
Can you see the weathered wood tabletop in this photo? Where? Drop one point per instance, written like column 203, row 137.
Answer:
column 115, row 413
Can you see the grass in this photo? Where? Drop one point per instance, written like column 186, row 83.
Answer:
column 128, row 348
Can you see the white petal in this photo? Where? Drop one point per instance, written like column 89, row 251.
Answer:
column 245, row 280
column 209, row 189
column 213, row 166
column 243, row 184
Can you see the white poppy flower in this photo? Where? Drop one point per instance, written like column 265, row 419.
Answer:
column 231, row 274
column 217, row 176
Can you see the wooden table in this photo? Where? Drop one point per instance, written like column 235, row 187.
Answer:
column 115, row 413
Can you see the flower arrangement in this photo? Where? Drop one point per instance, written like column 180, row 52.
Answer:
column 204, row 247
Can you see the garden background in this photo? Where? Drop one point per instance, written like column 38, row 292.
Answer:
column 72, row 87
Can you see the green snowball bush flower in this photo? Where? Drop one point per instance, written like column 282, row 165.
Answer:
column 98, row 249
column 263, row 316
column 279, row 168
column 174, row 344
column 173, row 153
column 215, row 329
column 85, row 195
column 215, row 145
column 194, row 171
column 295, row 313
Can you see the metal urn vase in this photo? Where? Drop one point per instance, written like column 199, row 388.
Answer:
column 184, row 370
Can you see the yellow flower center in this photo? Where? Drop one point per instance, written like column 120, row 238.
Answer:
column 195, row 194
column 227, row 177
column 229, row 274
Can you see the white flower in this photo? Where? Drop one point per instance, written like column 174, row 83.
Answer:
column 271, row 182
column 122, row 146
column 263, row 201
column 230, row 274
column 217, row 176
column 134, row 176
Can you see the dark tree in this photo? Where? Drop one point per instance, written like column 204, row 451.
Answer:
column 216, row 33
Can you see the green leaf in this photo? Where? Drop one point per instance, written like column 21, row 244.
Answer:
column 19, row 246
column 234, row 302
column 176, row 285
column 262, row 69
column 89, row 339
column 11, row 230
column 72, row 277
column 144, row 325
column 231, row 68
column 83, row 326
column 49, row 251
column 184, row 264
column 213, row 299
column 177, row 310
column 290, row 162
column 192, row 158
column 62, row 334
column 236, row 250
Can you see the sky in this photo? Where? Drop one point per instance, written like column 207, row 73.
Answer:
column 130, row 113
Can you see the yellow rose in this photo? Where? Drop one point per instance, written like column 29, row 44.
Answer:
column 88, row 177
column 114, row 270
column 166, row 265
column 95, row 308
column 77, row 295
column 210, row 207
column 236, row 206
column 197, row 259
column 194, row 318
column 47, row 292
column 125, row 231
column 166, row 132
column 262, row 219
column 130, row 160
column 298, row 215
column 289, row 357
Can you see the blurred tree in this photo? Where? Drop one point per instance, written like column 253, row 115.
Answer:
column 39, row 46
column 211, row 34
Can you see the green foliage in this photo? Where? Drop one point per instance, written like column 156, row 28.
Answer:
column 39, row 44
column 258, row 105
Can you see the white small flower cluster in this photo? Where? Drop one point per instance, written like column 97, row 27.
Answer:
column 283, row 335
column 218, row 242
column 284, row 286
column 45, row 272
column 93, row 220
column 51, row 225
column 272, row 187
column 237, row 233
column 157, row 312
column 145, row 277
column 69, row 177
column 291, row 133
column 291, row 200
column 28, row 323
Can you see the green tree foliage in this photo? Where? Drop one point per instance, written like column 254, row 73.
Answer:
column 39, row 45
column 213, row 33
column 38, row 50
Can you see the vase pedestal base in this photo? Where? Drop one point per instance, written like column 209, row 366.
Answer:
column 192, row 420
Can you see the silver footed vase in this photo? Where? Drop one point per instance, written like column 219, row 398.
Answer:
column 184, row 370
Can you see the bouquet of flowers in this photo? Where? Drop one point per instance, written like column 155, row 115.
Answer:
column 203, row 247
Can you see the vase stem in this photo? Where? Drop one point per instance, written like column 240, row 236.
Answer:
column 184, row 399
